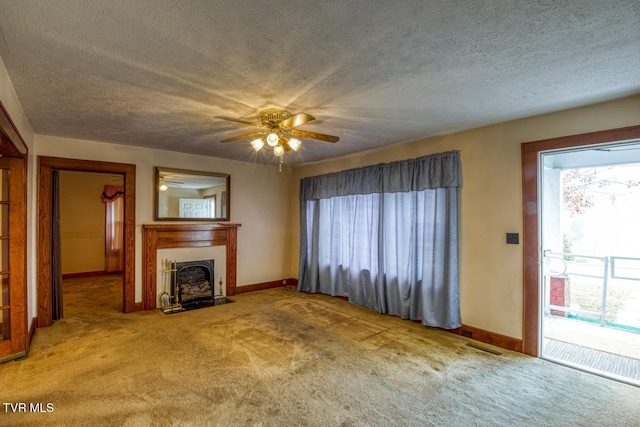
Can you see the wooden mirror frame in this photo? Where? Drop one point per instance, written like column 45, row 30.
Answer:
column 196, row 174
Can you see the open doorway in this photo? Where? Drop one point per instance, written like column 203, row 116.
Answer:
column 91, row 242
column 532, row 245
column 47, row 169
column 590, row 244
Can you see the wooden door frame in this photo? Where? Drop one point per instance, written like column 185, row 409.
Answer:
column 17, row 344
column 15, row 150
column 46, row 165
column 530, row 168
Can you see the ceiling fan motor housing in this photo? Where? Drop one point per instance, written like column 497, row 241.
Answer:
column 280, row 128
column 271, row 118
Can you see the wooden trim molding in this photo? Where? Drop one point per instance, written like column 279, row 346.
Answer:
column 11, row 145
column 84, row 274
column 492, row 338
column 13, row 154
column 531, row 272
column 14, row 280
column 13, row 356
column 46, row 166
column 265, row 285
column 164, row 236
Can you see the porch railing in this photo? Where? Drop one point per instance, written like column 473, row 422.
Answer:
column 560, row 265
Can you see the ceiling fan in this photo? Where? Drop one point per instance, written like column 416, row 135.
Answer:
column 278, row 131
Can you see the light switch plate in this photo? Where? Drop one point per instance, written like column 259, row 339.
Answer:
column 513, row 238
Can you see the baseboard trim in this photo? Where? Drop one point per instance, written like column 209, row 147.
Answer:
column 13, row 357
column 84, row 274
column 488, row 337
column 138, row 306
column 266, row 285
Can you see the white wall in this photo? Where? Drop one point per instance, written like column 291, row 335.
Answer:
column 259, row 201
column 491, row 276
column 82, row 221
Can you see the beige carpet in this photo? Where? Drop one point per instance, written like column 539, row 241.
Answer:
column 282, row 358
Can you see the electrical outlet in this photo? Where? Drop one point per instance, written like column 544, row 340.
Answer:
column 284, row 281
column 513, row 238
column 466, row 333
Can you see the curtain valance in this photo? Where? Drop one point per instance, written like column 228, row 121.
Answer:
column 111, row 193
column 427, row 172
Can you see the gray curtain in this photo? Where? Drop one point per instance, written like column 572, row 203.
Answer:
column 385, row 236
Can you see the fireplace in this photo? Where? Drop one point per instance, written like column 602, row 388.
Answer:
column 193, row 284
column 171, row 236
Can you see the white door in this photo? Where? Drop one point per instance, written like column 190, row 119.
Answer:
column 194, row 208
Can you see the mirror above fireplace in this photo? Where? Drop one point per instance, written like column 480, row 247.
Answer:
column 186, row 195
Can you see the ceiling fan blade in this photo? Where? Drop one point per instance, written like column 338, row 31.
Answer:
column 314, row 135
column 246, row 135
column 296, row 120
column 244, row 122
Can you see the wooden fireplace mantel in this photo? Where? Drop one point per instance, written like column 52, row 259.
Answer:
column 165, row 236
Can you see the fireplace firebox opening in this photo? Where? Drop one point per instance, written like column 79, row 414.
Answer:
column 192, row 286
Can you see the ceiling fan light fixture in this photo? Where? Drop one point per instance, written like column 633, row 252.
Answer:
column 294, row 144
column 273, row 139
column 257, row 144
column 278, row 129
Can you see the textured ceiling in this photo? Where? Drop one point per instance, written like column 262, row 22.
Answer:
column 154, row 73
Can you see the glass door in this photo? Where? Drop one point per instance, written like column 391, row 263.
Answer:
column 13, row 320
column 590, row 259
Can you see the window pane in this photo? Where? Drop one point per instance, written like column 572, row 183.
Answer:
column 4, row 290
column 4, row 220
column 5, row 327
column 4, row 185
column 4, row 255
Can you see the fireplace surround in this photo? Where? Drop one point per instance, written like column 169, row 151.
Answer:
column 164, row 236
